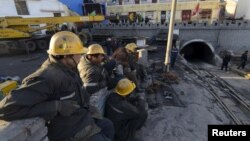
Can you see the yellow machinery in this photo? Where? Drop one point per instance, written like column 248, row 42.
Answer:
column 18, row 31
column 6, row 87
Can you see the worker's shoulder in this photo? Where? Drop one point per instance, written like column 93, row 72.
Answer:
column 47, row 72
column 85, row 64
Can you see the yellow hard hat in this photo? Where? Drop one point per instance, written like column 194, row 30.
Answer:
column 95, row 49
column 124, row 87
column 131, row 47
column 66, row 43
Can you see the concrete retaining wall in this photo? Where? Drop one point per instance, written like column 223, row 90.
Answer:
column 226, row 35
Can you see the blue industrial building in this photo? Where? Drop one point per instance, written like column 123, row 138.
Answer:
column 78, row 6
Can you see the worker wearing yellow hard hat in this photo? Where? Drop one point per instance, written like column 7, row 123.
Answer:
column 90, row 68
column 127, row 113
column 67, row 45
column 95, row 49
column 138, row 71
column 126, row 58
column 131, row 47
column 54, row 92
column 124, row 87
column 94, row 76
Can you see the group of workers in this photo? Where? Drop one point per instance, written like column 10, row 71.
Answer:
column 227, row 58
column 82, row 94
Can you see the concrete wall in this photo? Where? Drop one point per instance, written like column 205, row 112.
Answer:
column 46, row 8
column 7, row 8
column 141, row 30
column 209, row 35
column 230, row 8
column 36, row 8
column 236, row 40
column 242, row 9
column 226, row 35
column 146, row 30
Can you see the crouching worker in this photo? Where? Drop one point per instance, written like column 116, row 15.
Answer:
column 54, row 92
column 128, row 115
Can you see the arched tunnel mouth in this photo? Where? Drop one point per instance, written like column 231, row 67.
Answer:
column 198, row 51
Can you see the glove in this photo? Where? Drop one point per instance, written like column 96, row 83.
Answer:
column 67, row 107
column 119, row 70
column 109, row 66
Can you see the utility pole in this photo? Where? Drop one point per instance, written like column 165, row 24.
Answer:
column 170, row 36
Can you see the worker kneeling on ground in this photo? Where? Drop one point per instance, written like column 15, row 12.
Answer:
column 94, row 76
column 127, row 114
column 54, row 92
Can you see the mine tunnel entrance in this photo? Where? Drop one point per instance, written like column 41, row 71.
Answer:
column 198, row 51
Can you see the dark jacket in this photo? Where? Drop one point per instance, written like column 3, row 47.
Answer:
column 127, row 115
column 94, row 77
column 227, row 58
column 38, row 95
column 244, row 57
column 174, row 53
column 133, row 60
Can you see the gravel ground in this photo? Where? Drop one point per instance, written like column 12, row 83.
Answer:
column 21, row 65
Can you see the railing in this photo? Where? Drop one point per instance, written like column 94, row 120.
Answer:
column 223, row 25
column 129, row 2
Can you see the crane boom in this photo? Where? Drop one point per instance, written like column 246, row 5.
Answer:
column 17, row 21
column 17, row 33
column 18, row 27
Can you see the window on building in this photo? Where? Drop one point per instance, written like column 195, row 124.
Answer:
column 137, row 1
column 57, row 14
column 205, row 13
column 92, row 9
column 186, row 15
column 21, row 7
column 163, row 17
column 120, row 2
column 154, row 1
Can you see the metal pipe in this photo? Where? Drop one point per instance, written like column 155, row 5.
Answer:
column 170, row 35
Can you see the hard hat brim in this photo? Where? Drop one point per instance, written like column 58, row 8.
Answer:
column 84, row 50
column 89, row 53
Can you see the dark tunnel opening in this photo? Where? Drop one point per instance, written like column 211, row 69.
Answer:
column 198, row 51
